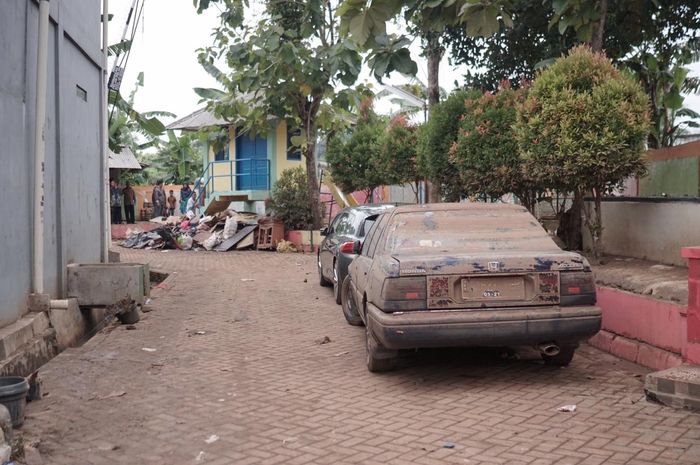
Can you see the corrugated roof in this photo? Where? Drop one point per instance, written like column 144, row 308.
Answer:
column 124, row 160
column 197, row 120
column 203, row 118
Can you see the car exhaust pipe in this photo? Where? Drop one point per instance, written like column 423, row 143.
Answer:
column 549, row 348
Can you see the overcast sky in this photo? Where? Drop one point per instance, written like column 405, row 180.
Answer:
column 165, row 47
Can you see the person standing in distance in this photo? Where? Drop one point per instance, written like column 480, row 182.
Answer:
column 129, row 203
column 115, row 202
column 158, row 199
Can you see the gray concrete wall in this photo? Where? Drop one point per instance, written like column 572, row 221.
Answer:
column 73, row 180
column 401, row 194
column 653, row 231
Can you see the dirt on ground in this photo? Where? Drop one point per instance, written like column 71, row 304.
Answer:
column 663, row 282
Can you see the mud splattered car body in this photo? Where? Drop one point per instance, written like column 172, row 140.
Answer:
column 469, row 274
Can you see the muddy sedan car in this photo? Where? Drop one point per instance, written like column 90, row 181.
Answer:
column 474, row 274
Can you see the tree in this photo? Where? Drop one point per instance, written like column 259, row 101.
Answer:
column 486, row 153
column 355, row 160
column 435, row 139
column 179, row 159
column 287, row 65
column 582, row 129
column 398, row 155
column 512, row 53
column 365, row 22
column 665, row 79
column 289, row 200
column 126, row 125
column 660, row 63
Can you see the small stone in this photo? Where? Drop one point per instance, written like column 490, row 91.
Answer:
column 32, row 456
column 5, row 453
column 6, row 424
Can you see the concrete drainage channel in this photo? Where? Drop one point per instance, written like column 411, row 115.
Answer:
column 128, row 312
column 97, row 294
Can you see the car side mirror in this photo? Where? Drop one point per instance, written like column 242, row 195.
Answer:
column 357, row 247
column 324, row 231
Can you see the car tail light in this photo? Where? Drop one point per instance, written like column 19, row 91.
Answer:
column 346, row 247
column 577, row 288
column 407, row 293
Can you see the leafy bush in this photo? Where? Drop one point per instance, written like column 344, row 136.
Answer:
column 486, row 153
column 289, row 200
column 398, row 154
column 583, row 127
column 354, row 160
column 434, row 142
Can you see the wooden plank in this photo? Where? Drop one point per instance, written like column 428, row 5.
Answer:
column 228, row 244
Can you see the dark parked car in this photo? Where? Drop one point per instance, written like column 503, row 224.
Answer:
column 348, row 226
column 447, row 275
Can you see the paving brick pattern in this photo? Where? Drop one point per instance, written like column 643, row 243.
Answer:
column 259, row 381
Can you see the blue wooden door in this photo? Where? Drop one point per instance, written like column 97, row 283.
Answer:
column 252, row 164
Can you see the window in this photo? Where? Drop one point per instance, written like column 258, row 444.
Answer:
column 334, row 224
column 369, row 226
column 222, row 154
column 220, row 146
column 293, row 153
column 365, row 225
column 81, row 93
column 376, row 237
column 344, row 226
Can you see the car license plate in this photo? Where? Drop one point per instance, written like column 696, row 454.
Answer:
column 493, row 288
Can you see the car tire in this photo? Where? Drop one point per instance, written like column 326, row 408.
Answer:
column 321, row 280
column 562, row 359
column 379, row 359
column 349, row 305
column 336, row 284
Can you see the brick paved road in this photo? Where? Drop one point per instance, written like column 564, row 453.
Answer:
column 258, row 380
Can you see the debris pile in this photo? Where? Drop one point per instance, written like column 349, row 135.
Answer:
column 223, row 231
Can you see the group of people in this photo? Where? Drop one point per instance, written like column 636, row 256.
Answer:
column 162, row 205
column 115, row 202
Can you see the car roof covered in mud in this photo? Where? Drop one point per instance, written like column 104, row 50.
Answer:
column 466, row 227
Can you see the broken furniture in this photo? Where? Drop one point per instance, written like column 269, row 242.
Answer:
column 271, row 232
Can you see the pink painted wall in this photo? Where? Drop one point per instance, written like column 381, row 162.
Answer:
column 693, row 256
column 656, row 322
column 641, row 329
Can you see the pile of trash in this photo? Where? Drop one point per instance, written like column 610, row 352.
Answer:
column 223, row 231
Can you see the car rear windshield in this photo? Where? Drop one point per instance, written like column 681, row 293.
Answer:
column 477, row 230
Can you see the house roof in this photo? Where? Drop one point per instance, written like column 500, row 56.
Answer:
column 197, row 120
column 203, row 118
column 125, row 159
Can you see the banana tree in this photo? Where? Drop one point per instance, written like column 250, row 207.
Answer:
column 178, row 159
column 127, row 125
column 665, row 78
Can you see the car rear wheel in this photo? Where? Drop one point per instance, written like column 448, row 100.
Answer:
column 352, row 316
column 378, row 358
column 336, row 284
column 562, row 359
column 321, row 280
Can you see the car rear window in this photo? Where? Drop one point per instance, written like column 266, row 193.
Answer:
column 477, row 230
column 365, row 226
